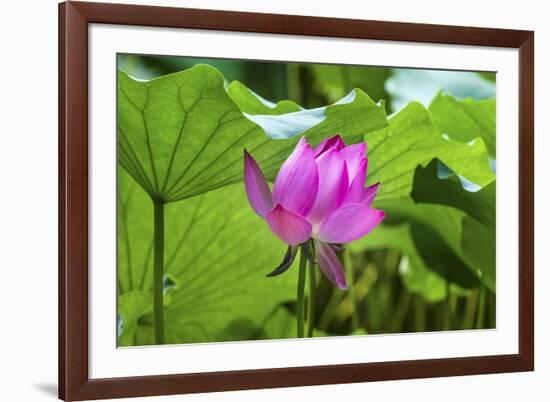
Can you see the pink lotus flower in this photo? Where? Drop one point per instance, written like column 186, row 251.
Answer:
column 318, row 194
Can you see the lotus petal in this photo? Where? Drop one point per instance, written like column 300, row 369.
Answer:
column 333, row 185
column 329, row 264
column 368, row 194
column 297, row 182
column 357, row 185
column 349, row 222
column 355, row 156
column 327, row 144
column 291, row 228
column 257, row 190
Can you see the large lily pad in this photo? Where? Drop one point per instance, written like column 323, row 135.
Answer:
column 478, row 227
column 410, row 140
column 430, row 187
column 218, row 253
column 183, row 134
column 463, row 120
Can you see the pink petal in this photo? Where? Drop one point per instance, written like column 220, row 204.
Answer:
column 334, row 142
column 357, row 186
column 329, row 264
column 287, row 226
column 355, row 159
column 257, row 190
column 368, row 194
column 297, row 181
column 349, row 222
column 354, row 149
column 333, row 185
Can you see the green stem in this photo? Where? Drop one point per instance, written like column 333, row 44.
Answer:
column 311, row 305
column 300, row 293
column 158, row 274
column 470, row 310
column 419, row 314
column 400, row 312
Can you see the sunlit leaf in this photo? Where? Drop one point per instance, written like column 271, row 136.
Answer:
column 464, row 120
column 411, row 140
column 218, row 265
column 279, row 124
column 252, row 103
column 182, row 134
column 131, row 306
column 167, row 142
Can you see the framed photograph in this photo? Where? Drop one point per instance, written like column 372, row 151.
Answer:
column 259, row 200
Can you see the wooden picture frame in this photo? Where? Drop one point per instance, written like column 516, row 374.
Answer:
column 74, row 381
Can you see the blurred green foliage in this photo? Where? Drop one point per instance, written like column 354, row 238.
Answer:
column 429, row 266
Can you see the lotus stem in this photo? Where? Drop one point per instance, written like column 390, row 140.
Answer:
column 300, row 299
column 311, row 304
column 158, row 274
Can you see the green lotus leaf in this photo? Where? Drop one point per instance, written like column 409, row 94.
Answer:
column 218, row 265
column 183, row 134
column 411, row 140
column 464, row 120
column 430, row 187
column 252, row 103
column 478, row 232
column 131, row 307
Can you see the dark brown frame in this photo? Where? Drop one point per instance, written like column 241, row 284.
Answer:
column 74, row 17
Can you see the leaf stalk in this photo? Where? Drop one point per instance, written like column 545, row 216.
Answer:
column 158, row 272
column 300, row 292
